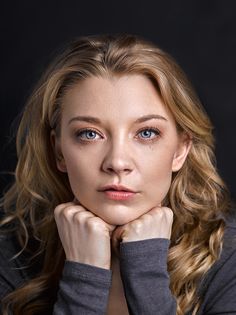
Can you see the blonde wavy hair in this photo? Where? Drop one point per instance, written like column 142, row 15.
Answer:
column 197, row 196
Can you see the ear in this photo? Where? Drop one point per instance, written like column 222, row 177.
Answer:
column 56, row 145
column 182, row 151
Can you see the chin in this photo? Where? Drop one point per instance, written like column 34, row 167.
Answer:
column 116, row 214
column 118, row 219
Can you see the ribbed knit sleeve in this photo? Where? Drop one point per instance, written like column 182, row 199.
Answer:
column 83, row 290
column 143, row 266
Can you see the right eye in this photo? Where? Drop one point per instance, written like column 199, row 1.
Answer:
column 86, row 135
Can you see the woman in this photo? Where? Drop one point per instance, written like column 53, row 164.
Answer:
column 117, row 206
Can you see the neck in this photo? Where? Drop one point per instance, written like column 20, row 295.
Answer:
column 115, row 261
column 117, row 302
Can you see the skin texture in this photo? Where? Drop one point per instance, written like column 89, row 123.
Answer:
column 116, row 151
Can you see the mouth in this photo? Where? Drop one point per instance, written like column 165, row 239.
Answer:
column 118, row 192
column 116, row 188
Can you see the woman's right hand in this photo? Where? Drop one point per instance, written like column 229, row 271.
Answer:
column 84, row 236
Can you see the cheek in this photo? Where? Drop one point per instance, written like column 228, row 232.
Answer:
column 159, row 160
column 158, row 177
column 81, row 173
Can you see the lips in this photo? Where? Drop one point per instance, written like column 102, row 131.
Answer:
column 120, row 188
column 118, row 192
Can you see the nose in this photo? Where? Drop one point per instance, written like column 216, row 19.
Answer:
column 118, row 158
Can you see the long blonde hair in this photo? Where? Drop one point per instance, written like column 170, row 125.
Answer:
column 197, row 196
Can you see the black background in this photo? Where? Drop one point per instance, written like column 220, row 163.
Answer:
column 200, row 35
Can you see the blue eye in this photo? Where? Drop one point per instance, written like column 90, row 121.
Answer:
column 149, row 133
column 87, row 134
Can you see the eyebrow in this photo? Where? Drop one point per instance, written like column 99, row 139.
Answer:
column 95, row 120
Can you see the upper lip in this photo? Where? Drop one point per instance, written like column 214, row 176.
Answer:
column 116, row 187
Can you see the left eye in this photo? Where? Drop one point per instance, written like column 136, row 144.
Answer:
column 149, row 133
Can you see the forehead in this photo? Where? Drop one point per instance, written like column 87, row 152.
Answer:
column 123, row 97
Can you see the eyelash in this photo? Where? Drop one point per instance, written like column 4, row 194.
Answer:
column 80, row 132
column 150, row 129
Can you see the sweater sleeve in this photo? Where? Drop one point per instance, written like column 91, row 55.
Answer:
column 143, row 267
column 83, row 289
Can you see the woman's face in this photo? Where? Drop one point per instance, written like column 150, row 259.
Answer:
column 117, row 131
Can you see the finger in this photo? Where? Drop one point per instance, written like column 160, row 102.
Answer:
column 163, row 210
column 61, row 207
column 154, row 210
column 82, row 215
column 68, row 213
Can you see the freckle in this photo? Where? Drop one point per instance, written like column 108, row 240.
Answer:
column 151, row 147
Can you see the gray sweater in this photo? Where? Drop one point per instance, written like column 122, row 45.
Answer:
column 84, row 289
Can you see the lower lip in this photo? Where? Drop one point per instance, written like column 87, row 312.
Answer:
column 119, row 195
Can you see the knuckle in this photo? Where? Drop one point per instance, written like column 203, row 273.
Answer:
column 61, row 207
column 164, row 213
column 147, row 218
column 94, row 223
column 82, row 215
column 159, row 212
column 67, row 211
column 58, row 209
column 169, row 213
column 138, row 226
column 64, row 216
column 78, row 217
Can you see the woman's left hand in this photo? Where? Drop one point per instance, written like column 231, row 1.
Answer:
column 156, row 223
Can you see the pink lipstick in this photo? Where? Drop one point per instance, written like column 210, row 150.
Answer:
column 118, row 192
column 119, row 195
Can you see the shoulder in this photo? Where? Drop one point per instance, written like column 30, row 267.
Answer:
column 15, row 267
column 228, row 254
column 8, row 246
column 11, row 275
column 229, row 242
column 219, row 285
column 230, row 219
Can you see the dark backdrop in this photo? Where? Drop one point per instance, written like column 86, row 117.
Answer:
column 200, row 34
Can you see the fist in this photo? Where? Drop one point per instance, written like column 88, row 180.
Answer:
column 157, row 223
column 84, row 236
